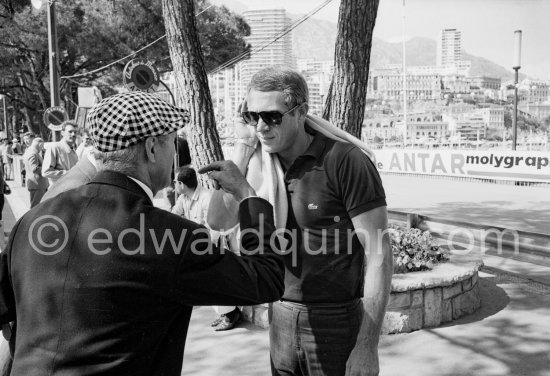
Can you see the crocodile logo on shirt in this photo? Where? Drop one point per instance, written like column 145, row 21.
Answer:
column 312, row 206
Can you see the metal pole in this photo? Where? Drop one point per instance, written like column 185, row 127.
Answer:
column 515, row 118
column 516, row 65
column 53, row 58
column 404, row 81
column 5, row 114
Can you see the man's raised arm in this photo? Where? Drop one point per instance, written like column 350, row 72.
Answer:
column 223, row 209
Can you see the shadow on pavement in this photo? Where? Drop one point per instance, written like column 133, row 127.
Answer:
column 493, row 300
column 240, row 351
column 508, row 336
column 507, row 343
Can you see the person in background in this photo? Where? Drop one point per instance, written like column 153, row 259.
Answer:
column 16, row 147
column 82, row 173
column 184, row 154
column 192, row 203
column 193, row 199
column 27, row 140
column 36, row 183
column 7, row 158
column 85, row 146
column 60, row 157
column 184, row 159
column 2, row 183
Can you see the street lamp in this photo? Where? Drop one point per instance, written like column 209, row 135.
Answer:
column 516, row 66
column 53, row 53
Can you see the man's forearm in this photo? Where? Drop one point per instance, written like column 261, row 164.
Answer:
column 222, row 211
column 52, row 173
column 376, row 294
column 223, row 208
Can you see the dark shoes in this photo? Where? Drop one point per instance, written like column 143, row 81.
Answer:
column 228, row 320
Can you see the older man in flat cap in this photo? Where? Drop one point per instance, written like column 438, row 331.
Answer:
column 100, row 282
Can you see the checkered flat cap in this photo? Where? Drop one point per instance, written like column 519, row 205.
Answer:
column 123, row 120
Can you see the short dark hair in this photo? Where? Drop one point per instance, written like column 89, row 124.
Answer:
column 67, row 123
column 187, row 176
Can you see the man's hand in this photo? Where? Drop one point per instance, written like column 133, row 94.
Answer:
column 245, row 133
column 363, row 362
column 226, row 175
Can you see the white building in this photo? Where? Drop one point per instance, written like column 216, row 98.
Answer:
column 388, row 84
column 268, row 47
column 382, row 127
column 493, row 117
column 422, row 125
column 449, row 52
column 540, row 111
column 470, row 126
column 266, row 25
column 318, row 75
column 448, row 48
column 227, row 91
column 315, row 66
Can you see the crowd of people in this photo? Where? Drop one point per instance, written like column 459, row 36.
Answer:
column 297, row 219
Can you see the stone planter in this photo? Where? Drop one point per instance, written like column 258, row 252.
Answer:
column 431, row 298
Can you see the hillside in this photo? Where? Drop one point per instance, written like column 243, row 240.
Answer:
column 315, row 39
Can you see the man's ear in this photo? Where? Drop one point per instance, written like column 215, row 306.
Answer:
column 303, row 110
column 150, row 144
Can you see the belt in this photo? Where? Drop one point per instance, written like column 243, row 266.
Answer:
column 348, row 305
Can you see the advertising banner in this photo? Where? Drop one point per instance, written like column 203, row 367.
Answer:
column 487, row 164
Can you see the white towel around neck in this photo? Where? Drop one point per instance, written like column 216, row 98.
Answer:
column 266, row 176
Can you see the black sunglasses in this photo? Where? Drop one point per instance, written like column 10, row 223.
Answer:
column 271, row 118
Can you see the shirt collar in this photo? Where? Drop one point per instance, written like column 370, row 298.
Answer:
column 66, row 144
column 314, row 152
column 145, row 188
column 317, row 146
column 195, row 196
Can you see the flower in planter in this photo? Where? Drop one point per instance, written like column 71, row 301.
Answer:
column 414, row 250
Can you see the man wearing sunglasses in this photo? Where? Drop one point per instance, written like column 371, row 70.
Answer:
column 329, row 319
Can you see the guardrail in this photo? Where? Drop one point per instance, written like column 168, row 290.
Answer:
column 495, row 240
column 469, row 179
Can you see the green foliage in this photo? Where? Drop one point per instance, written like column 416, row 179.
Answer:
column 525, row 123
column 414, row 250
column 218, row 27
column 92, row 34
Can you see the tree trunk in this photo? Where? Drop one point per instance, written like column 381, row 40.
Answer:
column 345, row 106
column 193, row 92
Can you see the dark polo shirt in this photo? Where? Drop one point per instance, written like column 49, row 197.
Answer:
column 328, row 185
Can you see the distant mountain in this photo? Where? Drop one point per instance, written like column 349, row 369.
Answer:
column 315, row 39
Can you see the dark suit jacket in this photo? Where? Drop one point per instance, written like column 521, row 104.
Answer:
column 82, row 173
column 120, row 303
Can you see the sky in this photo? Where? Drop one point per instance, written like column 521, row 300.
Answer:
column 487, row 26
